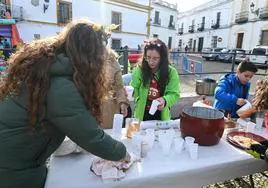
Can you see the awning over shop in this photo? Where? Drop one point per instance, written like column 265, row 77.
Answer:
column 10, row 31
column 5, row 31
column 15, row 35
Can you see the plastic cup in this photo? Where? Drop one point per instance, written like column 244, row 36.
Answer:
column 166, row 145
column 250, row 126
column 188, row 140
column 193, row 149
column 171, row 133
column 165, row 142
column 117, row 125
column 179, row 144
column 136, row 144
column 241, row 124
column 150, row 137
column 259, row 122
column 246, row 106
column 129, row 90
column 132, row 127
column 154, row 106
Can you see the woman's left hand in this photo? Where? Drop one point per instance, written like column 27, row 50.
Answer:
column 162, row 103
column 123, row 109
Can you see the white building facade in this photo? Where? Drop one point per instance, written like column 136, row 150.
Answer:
column 205, row 26
column 163, row 22
column 249, row 24
column 47, row 17
column 224, row 23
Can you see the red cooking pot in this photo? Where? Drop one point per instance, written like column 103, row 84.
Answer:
column 204, row 124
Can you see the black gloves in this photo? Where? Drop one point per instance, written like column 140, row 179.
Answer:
column 260, row 148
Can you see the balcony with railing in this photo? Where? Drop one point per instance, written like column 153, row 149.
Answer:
column 263, row 13
column 171, row 26
column 14, row 12
column 241, row 17
column 180, row 31
column 157, row 21
column 201, row 27
column 215, row 25
column 191, row 29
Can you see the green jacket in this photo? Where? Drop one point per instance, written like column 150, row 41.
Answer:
column 171, row 94
column 24, row 151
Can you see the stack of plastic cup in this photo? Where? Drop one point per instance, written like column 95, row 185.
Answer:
column 179, row 144
column 136, row 144
column 250, row 126
column 165, row 142
column 117, row 125
column 193, row 150
column 259, row 122
column 150, row 137
column 188, row 141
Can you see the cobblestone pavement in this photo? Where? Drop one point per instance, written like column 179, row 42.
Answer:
column 258, row 180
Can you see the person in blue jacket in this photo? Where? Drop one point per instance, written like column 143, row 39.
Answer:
column 233, row 89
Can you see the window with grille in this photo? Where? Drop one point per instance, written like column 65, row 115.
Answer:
column 190, row 43
column 37, row 36
column 156, row 17
column 214, row 42
column 117, row 20
column 180, row 43
column 116, row 44
column 155, row 35
column 171, row 21
column 64, row 12
column 264, row 37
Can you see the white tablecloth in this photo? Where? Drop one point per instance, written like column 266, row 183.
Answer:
column 214, row 163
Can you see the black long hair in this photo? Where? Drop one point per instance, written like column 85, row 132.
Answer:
column 147, row 74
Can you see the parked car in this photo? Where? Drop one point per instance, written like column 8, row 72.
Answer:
column 240, row 55
column 259, row 55
column 224, row 52
column 211, row 53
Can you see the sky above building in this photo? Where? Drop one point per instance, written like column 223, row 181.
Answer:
column 185, row 5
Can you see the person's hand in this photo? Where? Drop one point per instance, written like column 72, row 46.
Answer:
column 162, row 103
column 127, row 158
column 246, row 113
column 123, row 109
column 240, row 101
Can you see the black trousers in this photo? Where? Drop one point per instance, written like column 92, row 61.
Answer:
column 156, row 116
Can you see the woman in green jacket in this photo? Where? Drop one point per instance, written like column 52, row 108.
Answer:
column 155, row 79
column 53, row 89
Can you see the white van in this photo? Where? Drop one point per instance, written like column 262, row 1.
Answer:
column 259, row 55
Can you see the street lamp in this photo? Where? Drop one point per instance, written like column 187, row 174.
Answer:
column 252, row 5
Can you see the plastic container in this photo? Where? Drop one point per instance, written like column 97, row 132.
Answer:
column 205, row 86
column 204, row 124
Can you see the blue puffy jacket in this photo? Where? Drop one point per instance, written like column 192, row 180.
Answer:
column 228, row 91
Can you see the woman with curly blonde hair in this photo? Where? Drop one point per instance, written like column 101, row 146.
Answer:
column 259, row 101
column 260, row 105
column 53, row 89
